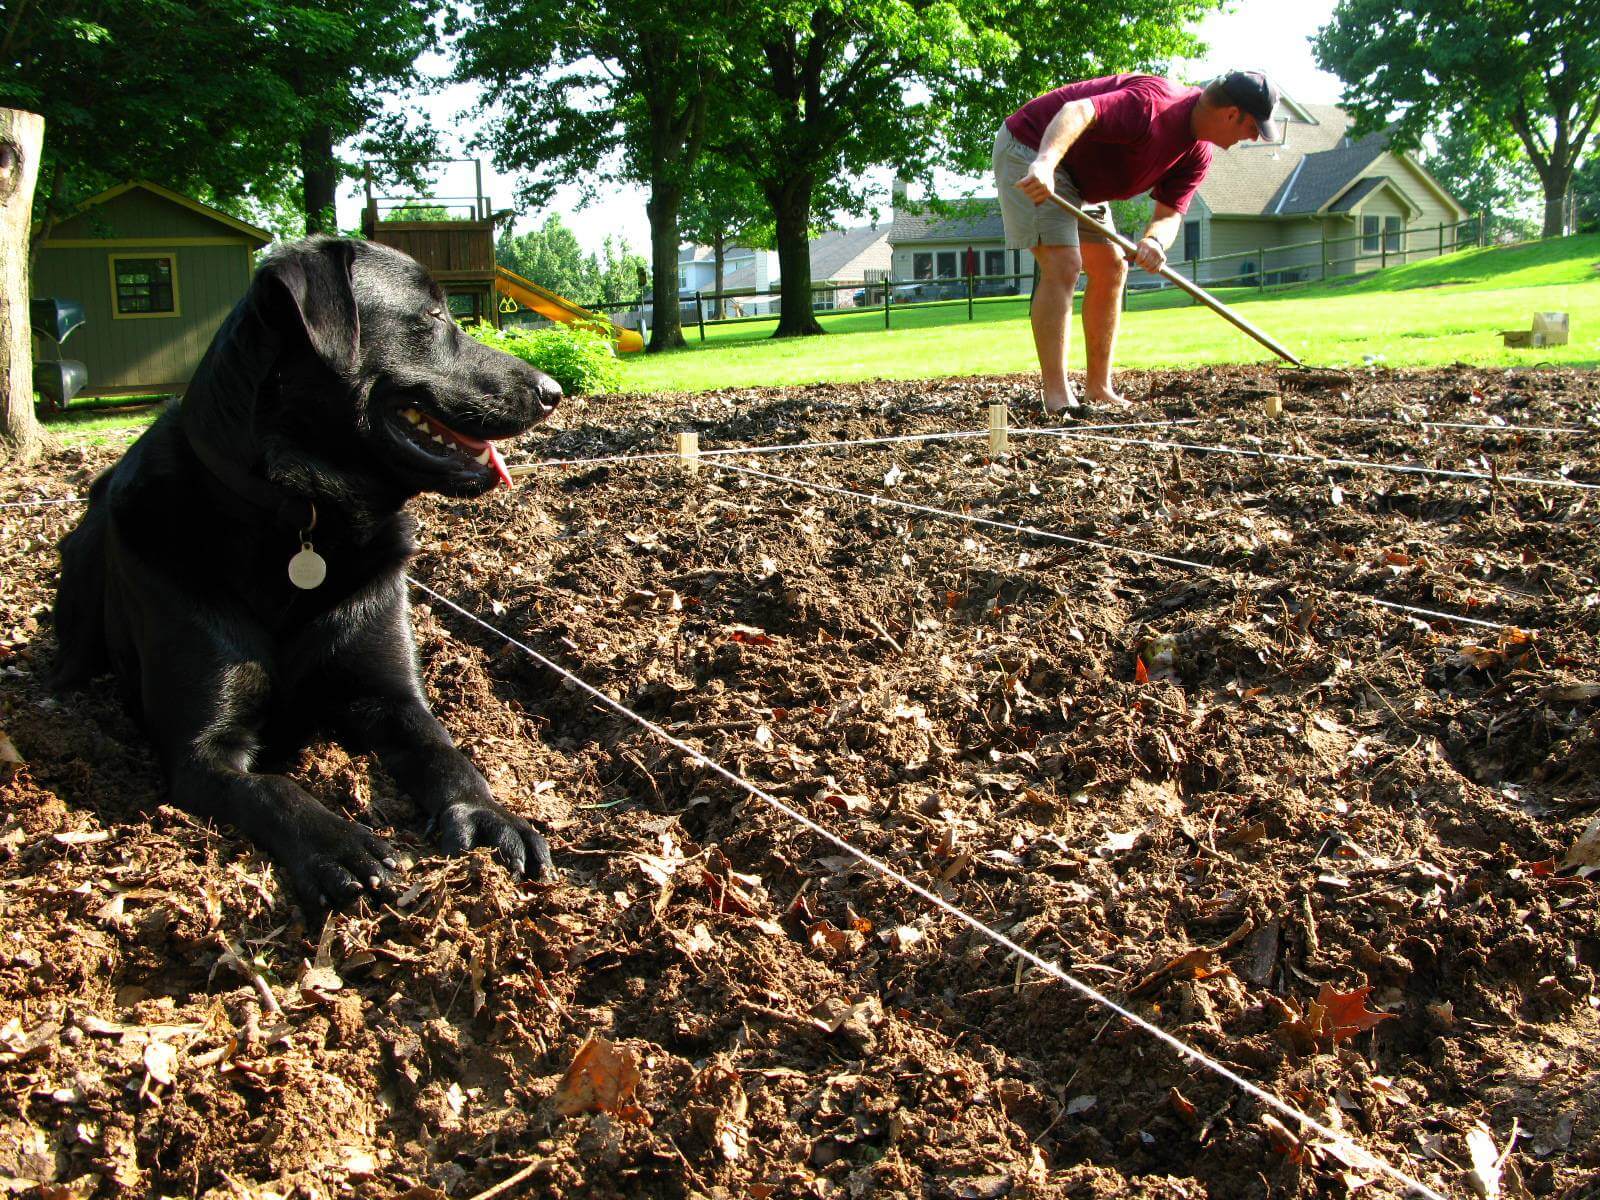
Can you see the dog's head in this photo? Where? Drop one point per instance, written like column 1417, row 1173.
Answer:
column 342, row 374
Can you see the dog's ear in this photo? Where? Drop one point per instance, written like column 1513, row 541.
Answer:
column 316, row 280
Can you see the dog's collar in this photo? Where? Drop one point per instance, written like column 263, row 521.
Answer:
column 292, row 510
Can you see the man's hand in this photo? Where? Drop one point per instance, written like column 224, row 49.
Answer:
column 1150, row 254
column 1038, row 184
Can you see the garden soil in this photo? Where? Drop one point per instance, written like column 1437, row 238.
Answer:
column 1339, row 846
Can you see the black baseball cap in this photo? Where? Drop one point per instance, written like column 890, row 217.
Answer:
column 1254, row 92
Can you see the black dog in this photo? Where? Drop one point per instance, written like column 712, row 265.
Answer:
column 240, row 569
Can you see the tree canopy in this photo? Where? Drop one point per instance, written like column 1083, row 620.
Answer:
column 574, row 85
column 1530, row 67
column 217, row 98
column 822, row 90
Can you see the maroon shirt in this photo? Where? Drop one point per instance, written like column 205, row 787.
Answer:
column 1140, row 140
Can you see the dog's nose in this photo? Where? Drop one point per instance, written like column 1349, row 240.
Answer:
column 549, row 393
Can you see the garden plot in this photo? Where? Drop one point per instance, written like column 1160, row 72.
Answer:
column 1335, row 845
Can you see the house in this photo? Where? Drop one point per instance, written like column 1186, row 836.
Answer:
column 156, row 273
column 1268, row 205
column 1374, row 205
column 926, row 246
column 847, row 258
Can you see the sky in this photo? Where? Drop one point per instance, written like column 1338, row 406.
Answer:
column 1267, row 34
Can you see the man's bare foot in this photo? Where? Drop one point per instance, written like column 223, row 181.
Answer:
column 1106, row 398
column 1060, row 405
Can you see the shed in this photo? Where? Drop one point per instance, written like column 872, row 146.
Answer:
column 156, row 273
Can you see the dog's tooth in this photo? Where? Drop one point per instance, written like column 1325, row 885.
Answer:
column 438, row 439
column 483, row 459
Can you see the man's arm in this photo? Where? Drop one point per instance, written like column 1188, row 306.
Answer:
column 1158, row 235
column 1065, row 128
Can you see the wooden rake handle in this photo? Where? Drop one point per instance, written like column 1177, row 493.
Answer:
column 1188, row 285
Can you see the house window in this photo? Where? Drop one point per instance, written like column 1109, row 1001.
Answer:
column 1371, row 232
column 994, row 262
column 824, row 301
column 1191, row 241
column 144, row 285
column 947, row 264
column 1391, row 233
column 922, row 265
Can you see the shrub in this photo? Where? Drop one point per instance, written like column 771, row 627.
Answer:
column 579, row 358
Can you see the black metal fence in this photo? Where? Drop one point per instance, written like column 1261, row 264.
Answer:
column 1265, row 267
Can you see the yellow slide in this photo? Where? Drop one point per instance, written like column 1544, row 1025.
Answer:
column 558, row 308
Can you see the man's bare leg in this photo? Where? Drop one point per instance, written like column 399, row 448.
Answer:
column 1059, row 267
column 1102, row 313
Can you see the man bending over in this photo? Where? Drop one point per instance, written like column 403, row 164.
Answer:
column 1110, row 139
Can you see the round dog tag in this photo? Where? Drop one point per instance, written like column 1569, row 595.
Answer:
column 307, row 570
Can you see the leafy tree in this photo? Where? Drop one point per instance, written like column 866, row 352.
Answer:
column 828, row 89
column 618, row 272
column 723, row 207
column 576, row 84
column 550, row 256
column 1489, row 175
column 220, row 98
column 1528, row 66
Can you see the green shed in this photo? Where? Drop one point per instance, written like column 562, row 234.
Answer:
column 156, row 272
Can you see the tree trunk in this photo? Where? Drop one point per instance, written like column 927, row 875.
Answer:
column 21, row 140
column 319, row 178
column 791, row 208
column 1555, row 203
column 719, row 254
column 666, row 333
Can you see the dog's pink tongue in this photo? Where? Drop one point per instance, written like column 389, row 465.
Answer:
column 499, row 465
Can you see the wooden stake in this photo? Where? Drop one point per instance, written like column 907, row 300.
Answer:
column 998, row 442
column 689, row 452
column 1274, row 406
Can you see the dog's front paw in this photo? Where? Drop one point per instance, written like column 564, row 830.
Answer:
column 471, row 823
column 335, row 861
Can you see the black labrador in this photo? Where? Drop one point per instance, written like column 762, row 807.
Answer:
column 240, row 568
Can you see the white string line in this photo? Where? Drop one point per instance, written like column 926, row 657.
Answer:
column 1084, row 989
column 1398, row 423
column 42, row 503
column 1029, row 530
column 529, row 468
column 1109, row 547
column 1360, row 464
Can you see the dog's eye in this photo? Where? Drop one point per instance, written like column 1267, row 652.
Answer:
column 438, row 314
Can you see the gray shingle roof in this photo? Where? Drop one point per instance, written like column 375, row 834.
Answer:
column 1322, row 175
column 1358, row 193
column 980, row 223
column 1248, row 178
column 844, row 253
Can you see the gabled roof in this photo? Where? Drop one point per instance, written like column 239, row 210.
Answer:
column 837, row 249
column 1362, row 188
column 1248, row 178
column 205, row 210
column 1321, row 176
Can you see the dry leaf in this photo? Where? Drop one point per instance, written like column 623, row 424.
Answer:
column 10, row 760
column 1584, row 857
column 602, row 1078
column 1344, row 1015
column 1487, row 1160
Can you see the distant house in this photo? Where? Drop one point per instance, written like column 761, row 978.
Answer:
column 1314, row 182
column 850, row 258
column 925, row 246
column 156, row 272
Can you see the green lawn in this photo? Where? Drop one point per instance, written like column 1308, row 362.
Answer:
column 1426, row 313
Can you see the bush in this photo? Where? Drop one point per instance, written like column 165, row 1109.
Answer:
column 579, row 358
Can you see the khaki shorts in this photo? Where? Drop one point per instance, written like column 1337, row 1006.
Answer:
column 1028, row 224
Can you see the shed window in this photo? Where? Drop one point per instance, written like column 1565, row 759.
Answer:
column 1391, row 233
column 1371, row 232
column 144, row 286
